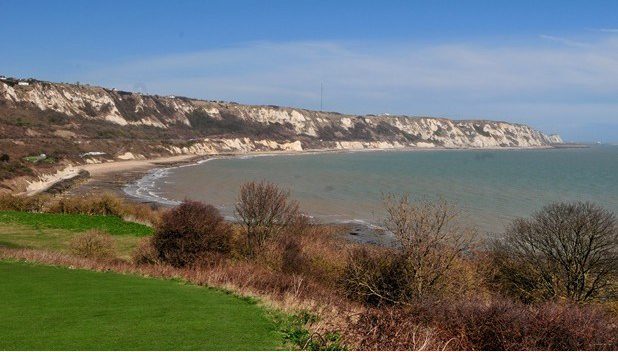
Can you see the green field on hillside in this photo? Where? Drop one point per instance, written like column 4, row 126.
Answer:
column 75, row 222
column 53, row 308
column 55, row 231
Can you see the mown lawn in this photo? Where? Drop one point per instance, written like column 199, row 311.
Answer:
column 53, row 308
column 75, row 222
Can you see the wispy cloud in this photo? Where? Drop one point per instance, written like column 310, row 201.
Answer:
column 573, row 83
column 564, row 41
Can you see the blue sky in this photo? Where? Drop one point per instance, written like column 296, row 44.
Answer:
column 551, row 64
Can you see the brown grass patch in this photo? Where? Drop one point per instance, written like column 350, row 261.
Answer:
column 94, row 244
column 105, row 204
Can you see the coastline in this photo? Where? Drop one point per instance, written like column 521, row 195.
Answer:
column 111, row 177
column 114, row 176
column 136, row 180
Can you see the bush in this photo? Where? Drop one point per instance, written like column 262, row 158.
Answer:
column 315, row 252
column 14, row 168
column 284, row 254
column 145, row 252
column 22, row 203
column 94, row 244
column 105, row 204
column 192, row 233
column 376, row 276
column 431, row 242
column 431, row 238
column 477, row 325
column 265, row 211
column 567, row 250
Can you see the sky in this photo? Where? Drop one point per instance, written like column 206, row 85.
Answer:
column 552, row 64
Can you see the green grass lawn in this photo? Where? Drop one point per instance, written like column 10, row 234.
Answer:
column 75, row 222
column 14, row 235
column 53, row 308
column 55, row 231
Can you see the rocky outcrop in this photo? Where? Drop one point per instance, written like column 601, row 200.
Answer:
column 178, row 125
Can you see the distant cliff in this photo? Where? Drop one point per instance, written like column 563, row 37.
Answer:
column 94, row 124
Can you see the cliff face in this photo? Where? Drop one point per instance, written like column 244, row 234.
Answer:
column 88, row 119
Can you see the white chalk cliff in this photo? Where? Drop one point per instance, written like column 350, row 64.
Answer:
column 213, row 127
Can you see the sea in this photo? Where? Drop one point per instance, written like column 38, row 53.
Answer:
column 490, row 187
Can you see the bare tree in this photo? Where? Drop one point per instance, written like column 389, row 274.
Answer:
column 431, row 235
column 565, row 250
column 265, row 210
column 378, row 276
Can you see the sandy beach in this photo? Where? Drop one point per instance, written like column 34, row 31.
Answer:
column 111, row 177
column 98, row 170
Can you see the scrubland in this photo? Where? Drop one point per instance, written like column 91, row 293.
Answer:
column 547, row 283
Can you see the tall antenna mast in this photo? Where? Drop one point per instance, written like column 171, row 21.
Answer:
column 321, row 95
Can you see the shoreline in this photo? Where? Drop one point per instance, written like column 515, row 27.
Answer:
column 116, row 175
column 144, row 167
column 141, row 187
column 135, row 179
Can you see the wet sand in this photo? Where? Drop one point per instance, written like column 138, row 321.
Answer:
column 111, row 177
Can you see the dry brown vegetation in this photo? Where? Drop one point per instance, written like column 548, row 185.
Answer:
column 265, row 210
column 432, row 291
column 564, row 251
column 495, row 324
column 94, row 244
column 430, row 242
column 192, row 233
column 104, row 204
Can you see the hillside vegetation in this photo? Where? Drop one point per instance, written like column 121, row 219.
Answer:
column 45, row 125
column 438, row 288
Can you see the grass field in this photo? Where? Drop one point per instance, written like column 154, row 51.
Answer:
column 52, row 308
column 55, row 231
column 75, row 222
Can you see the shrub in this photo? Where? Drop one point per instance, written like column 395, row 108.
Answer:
column 431, row 237
column 145, row 252
column 192, row 233
column 376, row 276
column 265, row 211
column 315, row 252
column 324, row 251
column 391, row 329
column 22, row 203
column 105, row 204
column 477, row 325
column 93, row 244
column 284, row 254
column 14, row 168
column 567, row 250
column 428, row 256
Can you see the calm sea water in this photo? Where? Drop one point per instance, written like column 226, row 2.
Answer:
column 491, row 187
